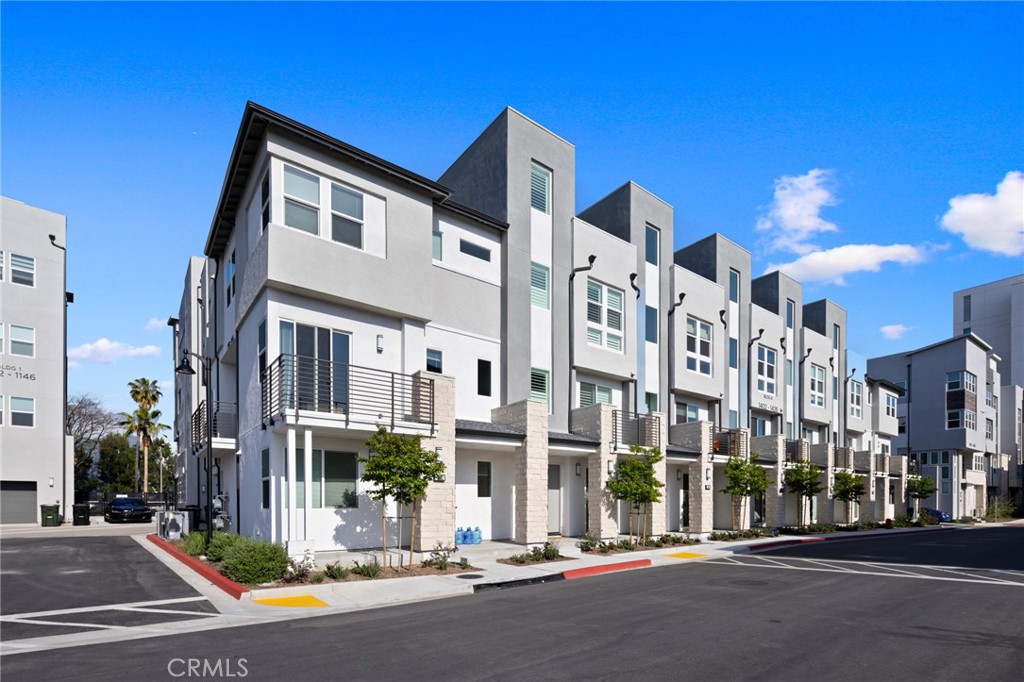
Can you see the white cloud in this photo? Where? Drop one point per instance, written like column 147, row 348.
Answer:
column 990, row 222
column 832, row 265
column 894, row 331
column 104, row 351
column 155, row 324
column 795, row 213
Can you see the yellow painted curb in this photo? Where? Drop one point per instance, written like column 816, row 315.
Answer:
column 686, row 555
column 300, row 601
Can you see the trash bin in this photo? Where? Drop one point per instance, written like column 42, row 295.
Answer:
column 50, row 514
column 80, row 514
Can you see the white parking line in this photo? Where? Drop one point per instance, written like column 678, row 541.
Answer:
column 889, row 571
column 828, row 565
column 102, row 607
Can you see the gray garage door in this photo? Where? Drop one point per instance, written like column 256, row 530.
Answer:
column 18, row 502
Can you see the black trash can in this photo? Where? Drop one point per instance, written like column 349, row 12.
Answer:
column 50, row 514
column 80, row 514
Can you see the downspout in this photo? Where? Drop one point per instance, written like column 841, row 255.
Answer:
column 670, row 408
column 782, row 416
column 572, row 335
column 636, row 307
column 800, row 398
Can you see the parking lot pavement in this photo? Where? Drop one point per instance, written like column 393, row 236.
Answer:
column 54, row 586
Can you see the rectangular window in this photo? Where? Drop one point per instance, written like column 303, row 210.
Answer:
column 734, row 418
column 23, row 341
column 967, row 308
column 856, row 399
column 265, row 476
column 265, row 201
column 835, row 388
column 970, row 382
column 789, row 372
column 971, row 420
column 1, row 338
column 261, row 349
column 302, row 200
column 23, row 270
column 651, row 324
column 651, row 244
column 766, row 370
column 474, row 250
column 790, row 313
column 434, row 362
column 229, row 278
column 686, row 413
column 734, row 353
column 604, row 315
column 890, row 406
column 953, row 381
column 540, row 286
column 539, row 385
column 23, row 411
column 1, row 410
column 835, row 336
column 591, row 394
column 340, row 474
column 1, row 266
column 760, row 426
column 346, row 216
column 437, row 245
column 954, row 419
column 734, row 286
column 990, row 429
column 483, row 479
column 483, row 377
column 698, row 346
column 817, row 385
column 789, row 430
column 651, row 399
column 540, row 188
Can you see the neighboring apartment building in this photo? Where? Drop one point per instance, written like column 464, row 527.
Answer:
column 529, row 346
column 35, row 455
column 947, row 419
column 995, row 312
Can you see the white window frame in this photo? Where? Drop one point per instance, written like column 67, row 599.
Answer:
column 971, row 420
column 817, row 388
column 954, row 419
column 540, row 182
column 300, row 201
column 360, row 221
column 594, row 394
column 11, row 340
column 30, row 270
column 437, row 246
column 696, row 358
column 32, row 412
column 766, row 369
column 690, row 412
column 890, row 405
column 603, row 331
column 990, row 429
column 545, row 376
column 856, row 399
column 540, row 286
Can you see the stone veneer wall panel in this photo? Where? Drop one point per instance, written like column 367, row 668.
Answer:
column 436, row 516
column 531, row 502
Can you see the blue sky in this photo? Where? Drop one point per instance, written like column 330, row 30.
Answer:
column 828, row 139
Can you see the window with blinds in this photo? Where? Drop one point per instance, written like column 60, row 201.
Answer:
column 540, row 188
column 540, row 286
column 539, row 385
column 591, row 394
column 604, row 315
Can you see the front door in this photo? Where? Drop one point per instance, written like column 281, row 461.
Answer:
column 554, row 499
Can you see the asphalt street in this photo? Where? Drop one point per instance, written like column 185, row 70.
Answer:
column 695, row 621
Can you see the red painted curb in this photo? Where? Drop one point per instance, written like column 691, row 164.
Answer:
column 606, row 568
column 229, row 586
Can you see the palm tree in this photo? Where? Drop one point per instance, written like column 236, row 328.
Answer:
column 146, row 426
column 146, row 394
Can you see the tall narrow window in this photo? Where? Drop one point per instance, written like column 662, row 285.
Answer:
column 483, row 479
column 835, row 336
column 540, row 188
column 1, row 338
column 890, row 406
column 23, row 341
column 651, row 399
column 698, row 346
column 790, row 313
column 651, row 244
column 967, row 308
column 856, row 399
column 734, row 353
column 734, row 286
column 539, row 385
column 483, row 377
column 1, row 265
column 265, row 477
column 229, row 278
column 23, row 411
column 817, row 385
column 23, row 270
column 434, row 361
column 437, row 245
column 346, row 216
column 766, row 369
column 604, row 315
column 265, row 201
column 540, row 286
column 651, row 324
column 789, row 372
column 261, row 350
column 302, row 200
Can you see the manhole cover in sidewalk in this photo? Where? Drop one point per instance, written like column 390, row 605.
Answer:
column 469, row 576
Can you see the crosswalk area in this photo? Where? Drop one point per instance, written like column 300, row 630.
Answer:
column 1006, row 578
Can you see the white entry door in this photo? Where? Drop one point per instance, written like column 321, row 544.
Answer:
column 554, row 499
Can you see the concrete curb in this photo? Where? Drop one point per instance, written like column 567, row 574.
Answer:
column 835, row 536
column 229, row 586
column 605, row 568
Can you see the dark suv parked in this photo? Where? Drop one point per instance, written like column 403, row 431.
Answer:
column 127, row 509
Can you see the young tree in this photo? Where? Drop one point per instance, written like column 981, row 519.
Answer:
column 88, row 422
column 146, row 394
column 920, row 487
column 746, row 478
column 400, row 468
column 803, row 480
column 161, row 458
column 636, row 483
column 849, row 488
column 115, row 464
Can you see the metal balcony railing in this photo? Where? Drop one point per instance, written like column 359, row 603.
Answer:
column 793, row 451
column 632, row 428
column 843, row 458
column 726, row 442
column 880, row 463
column 224, row 422
column 295, row 382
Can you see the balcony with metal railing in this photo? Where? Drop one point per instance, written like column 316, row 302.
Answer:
column 223, row 422
column 795, row 451
column 353, row 396
column 633, row 428
column 881, row 463
column 727, row 442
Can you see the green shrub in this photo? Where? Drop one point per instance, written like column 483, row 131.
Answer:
column 220, row 544
column 926, row 519
column 519, row 558
column 441, row 556
column 195, row 544
column 253, row 562
column 966, row 519
column 901, row 521
column 604, row 548
column 587, row 544
column 317, row 578
column 626, row 545
column 550, row 552
column 336, row 571
column 370, row 570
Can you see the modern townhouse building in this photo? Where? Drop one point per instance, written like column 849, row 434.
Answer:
column 943, row 415
column 528, row 345
column 35, row 454
column 995, row 312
